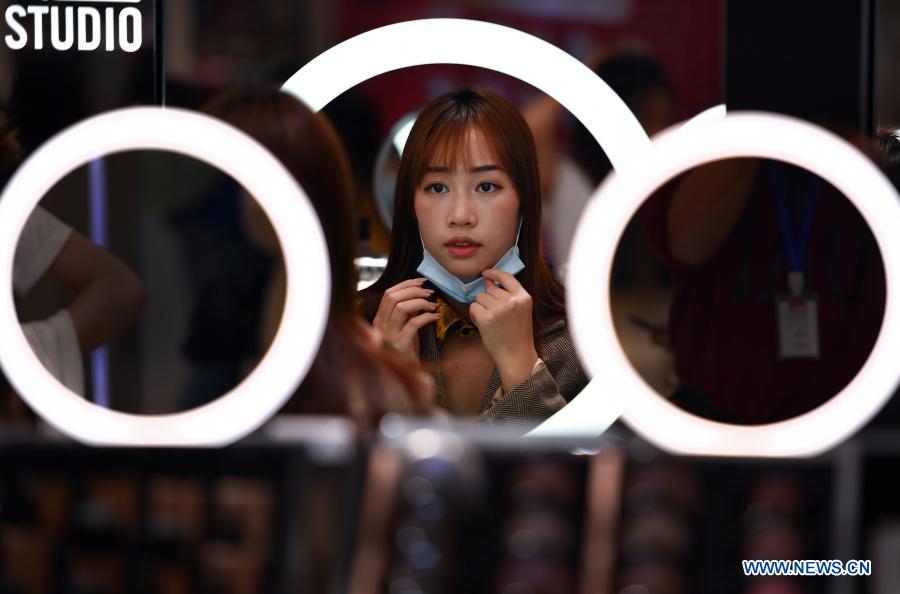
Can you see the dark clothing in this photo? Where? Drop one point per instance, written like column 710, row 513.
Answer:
column 723, row 320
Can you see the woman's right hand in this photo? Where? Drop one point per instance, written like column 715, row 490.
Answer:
column 403, row 310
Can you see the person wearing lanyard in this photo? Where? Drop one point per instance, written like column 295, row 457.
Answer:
column 798, row 322
column 775, row 308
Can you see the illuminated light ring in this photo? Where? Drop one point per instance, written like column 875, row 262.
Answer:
column 487, row 45
column 736, row 135
column 514, row 53
column 712, row 114
column 296, row 343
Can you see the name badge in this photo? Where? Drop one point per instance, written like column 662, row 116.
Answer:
column 798, row 326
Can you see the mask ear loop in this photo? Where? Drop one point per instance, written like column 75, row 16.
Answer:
column 422, row 241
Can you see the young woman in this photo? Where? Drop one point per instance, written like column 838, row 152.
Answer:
column 466, row 289
column 352, row 375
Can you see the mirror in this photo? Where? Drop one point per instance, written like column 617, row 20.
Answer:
column 146, row 282
column 770, row 295
column 387, row 163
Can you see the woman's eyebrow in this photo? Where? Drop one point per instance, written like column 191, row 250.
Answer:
column 483, row 168
column 478, row 169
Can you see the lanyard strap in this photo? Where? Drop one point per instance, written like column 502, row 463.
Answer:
column 794, row 244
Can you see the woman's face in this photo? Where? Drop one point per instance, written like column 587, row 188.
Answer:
column 468, row 215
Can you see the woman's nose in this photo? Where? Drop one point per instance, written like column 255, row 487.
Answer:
column 461, row 212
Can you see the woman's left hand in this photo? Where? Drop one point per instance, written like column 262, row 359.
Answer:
column 503, row 317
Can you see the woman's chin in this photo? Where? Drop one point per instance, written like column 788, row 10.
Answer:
column 467, row 275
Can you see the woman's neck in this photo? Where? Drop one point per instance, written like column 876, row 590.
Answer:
column 461, row 309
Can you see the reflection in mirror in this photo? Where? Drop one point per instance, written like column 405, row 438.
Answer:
column 369, row 266
column 569, row 177
column 772, row 295
column 149, row 304
column 387, row 163
column 209, row 261
column 467, row 292
column 352, row 374
column 106, row 297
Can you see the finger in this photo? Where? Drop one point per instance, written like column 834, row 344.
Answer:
column 390, row 301
column 413, row 306
column 477, row 311
column 413, row 282
column 486, row 301
column 508, row 281
column 409, row 293
column 418, row 322
column 403, row 311
column 499, row 293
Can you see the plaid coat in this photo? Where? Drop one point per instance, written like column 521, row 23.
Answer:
column 538, row 396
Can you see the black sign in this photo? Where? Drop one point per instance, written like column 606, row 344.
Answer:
column 66, row 60
column 113, row 25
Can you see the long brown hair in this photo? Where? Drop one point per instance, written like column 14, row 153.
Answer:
column 350, row 375
column 438, row 136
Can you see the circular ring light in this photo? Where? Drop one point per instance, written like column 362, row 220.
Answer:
column 296, row 343
column 514, row 53
column 487, row 45
column 740, row 135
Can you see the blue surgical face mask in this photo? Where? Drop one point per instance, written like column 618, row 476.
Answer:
column 456, row 289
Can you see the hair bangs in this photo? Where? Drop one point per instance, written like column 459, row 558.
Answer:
column 446, row 147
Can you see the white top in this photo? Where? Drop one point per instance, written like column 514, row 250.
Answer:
column 40, row 243
column 54, row 340
column 55, row 343
column 569, row 195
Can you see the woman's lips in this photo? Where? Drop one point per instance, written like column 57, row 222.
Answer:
column 462, row 248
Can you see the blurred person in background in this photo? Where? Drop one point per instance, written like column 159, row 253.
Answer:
column 779, row 288
column 568, row 181
column 466, row 289
column 108, row 295
column 352, row 374
column 356, row 121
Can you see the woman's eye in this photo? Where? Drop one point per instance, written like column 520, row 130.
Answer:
column 487, row 187
column 437, row 188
